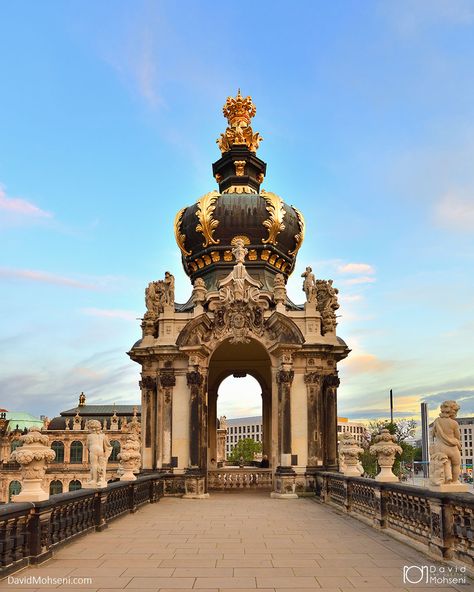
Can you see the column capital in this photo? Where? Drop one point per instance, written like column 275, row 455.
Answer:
column 194, row 378
column 167, row 379
column 147, row 382
column 285, row 376
column 313, row 378
column 332, row 381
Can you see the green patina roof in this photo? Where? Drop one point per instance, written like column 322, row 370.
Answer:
column 22, row 419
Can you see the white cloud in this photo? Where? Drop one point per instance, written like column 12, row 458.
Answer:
column 455, row 211
column 356, row 268
column 17, row 206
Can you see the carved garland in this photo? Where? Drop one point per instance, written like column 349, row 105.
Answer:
column 274, row 224
column 179, row 236
column 207, row 224
column 299, row 238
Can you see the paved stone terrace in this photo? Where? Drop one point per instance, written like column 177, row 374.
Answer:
column 235, row 542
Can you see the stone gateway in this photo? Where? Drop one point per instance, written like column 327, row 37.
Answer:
column 239, row 246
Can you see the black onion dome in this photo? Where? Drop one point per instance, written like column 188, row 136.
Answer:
column 271, row 229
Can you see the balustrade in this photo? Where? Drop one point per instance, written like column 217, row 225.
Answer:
column 30, row 532
column 443, row 522
column 237, row 479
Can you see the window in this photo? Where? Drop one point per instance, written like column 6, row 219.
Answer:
column 55, row 487
column 240, row 429
column 75, row 485
column 115, row 450
column 58, row 448
column 76, row 452
column 13, row 489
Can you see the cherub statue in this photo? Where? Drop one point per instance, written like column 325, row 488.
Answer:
column 99, row 452
column 446, row 438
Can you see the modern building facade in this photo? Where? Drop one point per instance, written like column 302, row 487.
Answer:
column 356, row 429
column 243, row 427
column 466, row 427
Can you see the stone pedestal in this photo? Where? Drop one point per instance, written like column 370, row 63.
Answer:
column 450, row 488
column 195, row 484
column 285, row 484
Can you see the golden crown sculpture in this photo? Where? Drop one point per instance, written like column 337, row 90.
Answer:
column 239, row 111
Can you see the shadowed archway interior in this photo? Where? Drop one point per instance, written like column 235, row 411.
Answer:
column 240, row 359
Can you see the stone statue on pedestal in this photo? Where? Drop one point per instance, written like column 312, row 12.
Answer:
column 445, row 453
column 385, row 448
column 33, row 456
column 349, row 451
column 309, row 285
column 99, row 452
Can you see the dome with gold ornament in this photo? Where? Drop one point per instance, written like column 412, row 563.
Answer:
column 272, row 230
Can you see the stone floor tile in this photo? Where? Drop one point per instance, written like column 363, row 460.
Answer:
column 287, row 582
column 263, row 571
column 377, row 582
column 225, row 583
column 334, row 581
column 140, row 583
column 203, row 572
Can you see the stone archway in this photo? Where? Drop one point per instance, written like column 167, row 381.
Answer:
column 241, row 358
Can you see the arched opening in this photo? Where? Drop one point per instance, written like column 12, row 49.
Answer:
column 58, row 448
column 75, row 485
column 115, row 450
column 239, row 400
column 13, row 489
column 76, row 452
column 55, row 487
column 240, row 374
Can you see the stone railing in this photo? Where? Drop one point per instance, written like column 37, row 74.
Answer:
column 238, row 479
column 442, row 522
column 31, row 531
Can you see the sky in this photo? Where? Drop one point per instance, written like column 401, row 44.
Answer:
column 109, row 114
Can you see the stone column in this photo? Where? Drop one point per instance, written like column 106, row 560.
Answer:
column 167, row 382
column 330, row 385
column 212, row 426
column 198, row 420
column 148, row 387
column 284, row 380
column 314, row 382
column 266, row 434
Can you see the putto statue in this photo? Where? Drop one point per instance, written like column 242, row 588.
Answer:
column 309, row 285
column 327, row 304
column 385, row 448
column 445, row 453
column 99, row 452
column 159, row 294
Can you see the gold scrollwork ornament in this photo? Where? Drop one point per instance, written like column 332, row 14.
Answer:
column 207, row 224
column 299, row 237
column 274, row 224
column 179, row 236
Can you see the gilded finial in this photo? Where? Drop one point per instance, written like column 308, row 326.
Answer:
column 239, row 111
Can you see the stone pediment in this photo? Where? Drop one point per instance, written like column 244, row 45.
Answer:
column 282, row 329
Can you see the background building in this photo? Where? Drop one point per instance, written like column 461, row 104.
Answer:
column 358, row 430
column 466, row 426
column 67, row 435
column 243, row 427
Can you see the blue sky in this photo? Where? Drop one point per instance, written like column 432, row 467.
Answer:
column 108, row 116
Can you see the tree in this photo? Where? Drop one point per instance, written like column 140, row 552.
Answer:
column 246, row 448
